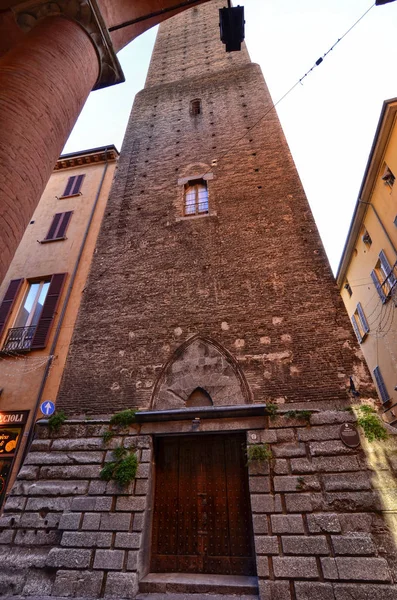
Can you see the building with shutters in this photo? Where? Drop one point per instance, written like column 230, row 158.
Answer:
column 367, row 273
column 41, row 293
column 211, row 309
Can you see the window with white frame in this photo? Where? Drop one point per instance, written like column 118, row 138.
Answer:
column 360, row 323
column 195, row 197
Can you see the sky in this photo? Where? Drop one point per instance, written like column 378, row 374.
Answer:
column 329, row 119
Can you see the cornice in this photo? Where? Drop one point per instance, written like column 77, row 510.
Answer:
column 87, row 15
column 80, row 160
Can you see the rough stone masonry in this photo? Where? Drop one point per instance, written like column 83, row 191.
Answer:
column 236, row 305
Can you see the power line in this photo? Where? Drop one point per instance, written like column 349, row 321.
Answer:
column 316, row 64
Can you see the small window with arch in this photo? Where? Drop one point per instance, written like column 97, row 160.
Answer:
column 388, row 177
column 195, row 107
column 195, row 198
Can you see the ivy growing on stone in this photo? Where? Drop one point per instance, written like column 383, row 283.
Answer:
column 56, row 421
column 368, row 420
column 258, row 452
column 123, row 468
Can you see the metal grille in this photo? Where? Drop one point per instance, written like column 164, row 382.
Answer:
column 19, row 338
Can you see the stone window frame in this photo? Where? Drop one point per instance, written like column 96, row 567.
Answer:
column 182, row 181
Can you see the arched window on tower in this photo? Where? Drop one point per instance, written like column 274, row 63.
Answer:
column 199, row 397
column 195, row 107
column 196, row 197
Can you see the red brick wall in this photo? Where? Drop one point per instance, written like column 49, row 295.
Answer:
column 252, row 275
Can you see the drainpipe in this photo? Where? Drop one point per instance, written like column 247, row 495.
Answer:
column 381, row 224
column 30, row 432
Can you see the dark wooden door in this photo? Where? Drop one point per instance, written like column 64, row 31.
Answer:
column 202, row 515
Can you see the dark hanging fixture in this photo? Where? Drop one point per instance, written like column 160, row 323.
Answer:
column 231, row 23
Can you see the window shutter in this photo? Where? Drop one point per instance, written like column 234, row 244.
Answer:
column 381, row 385
column 356, row 329
column 378, row 286
column 387, row 268
column 77, row 184
column 63, row 224
column 43, row 328
column 54, row 226
column 69, row 185
column 8, row 301
column 362, row 318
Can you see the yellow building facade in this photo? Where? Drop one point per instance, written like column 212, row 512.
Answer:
column 367, row 274
column 41, row 293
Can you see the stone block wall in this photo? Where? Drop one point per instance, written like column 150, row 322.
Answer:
column 322, row 528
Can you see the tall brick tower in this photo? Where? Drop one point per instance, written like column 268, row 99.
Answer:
column 211, row 308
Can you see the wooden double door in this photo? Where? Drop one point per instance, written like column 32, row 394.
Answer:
column 202, row 514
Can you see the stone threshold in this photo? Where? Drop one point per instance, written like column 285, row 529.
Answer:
column 194, row 583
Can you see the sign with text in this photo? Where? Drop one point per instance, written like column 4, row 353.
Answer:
column 13, row 417
column 349, row 435
column 9, row 439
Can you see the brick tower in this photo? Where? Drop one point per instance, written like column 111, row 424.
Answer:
column 211, row 308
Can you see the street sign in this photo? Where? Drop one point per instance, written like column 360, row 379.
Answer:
column 47, row 408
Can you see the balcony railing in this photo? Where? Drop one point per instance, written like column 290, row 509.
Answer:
column 19, row 338
column 389, row 285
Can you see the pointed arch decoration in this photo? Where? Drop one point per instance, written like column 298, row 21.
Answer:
column 200, row 369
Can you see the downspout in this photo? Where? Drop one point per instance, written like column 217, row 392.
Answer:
column 30, row 432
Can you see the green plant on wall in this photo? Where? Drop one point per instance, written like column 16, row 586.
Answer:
column 271, row 410
column 56, row 420
column 298, row 414
column 124, row 418
column 368, row 420
column 258, row 452
column 123, row 468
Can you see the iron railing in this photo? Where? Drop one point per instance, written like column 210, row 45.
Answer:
column 19, row 338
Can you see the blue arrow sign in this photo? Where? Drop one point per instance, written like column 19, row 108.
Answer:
column 47, row 408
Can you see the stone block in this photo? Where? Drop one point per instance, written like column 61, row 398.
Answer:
column 329, row 448
column 29, row 472
column 37, row 537
column 302, row 465
column 141, row 487
column 354, row 591
column 146, row 456
column 265, row 503
column 132, row 561
column 121, row 585
column 280, row 466
column 138, row 522
column 311, row 590
column 68, row 558
column 38, row 583
column 40, row 446
column 70, row 472
column 262, row 566
column 289, row 450
column 329, row 417
column 274, row 590
column 15, row 504
column 353, row 501
column 109, row 559
column 323, row 523
column 115, row 489
column 363, row 569
column 131, row 503
column 70, row 521
column 49, row 504
column 91, row 521
column 287, row 524
column 86, row 539
column 285, row 435
column 11, row 582
column 127, row 540
column 336, row 464
column 259, row 485
column 33, row 520
column 266, row 544
column 297, row 567
column 9, row 520
column 23, row 558
column 143, row 471
column 97, row 487
column 343, row 481
column 259, row 524
column 83, row 504
column 317, row 434
column 56, row 487
column 115, row 522
column 78, row 584
column 298, row 502
column 312, row 545
column 358, row 544
column 355, row 522
column 48, row 458
column 6, row 536
column 86, row 458
column 77, row 444
column 258, row 467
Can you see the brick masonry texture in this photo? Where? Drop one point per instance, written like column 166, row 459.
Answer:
column 327, row 553
column 251, row 275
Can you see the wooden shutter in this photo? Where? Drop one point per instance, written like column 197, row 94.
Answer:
column 378, row 286
column 8, row 301
column 356, row 329
column 387, row 268
column 77, row 184
column 381, row 385
column 69, row 186
column 43, row 328
column 59, row 226
column 362, row 317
